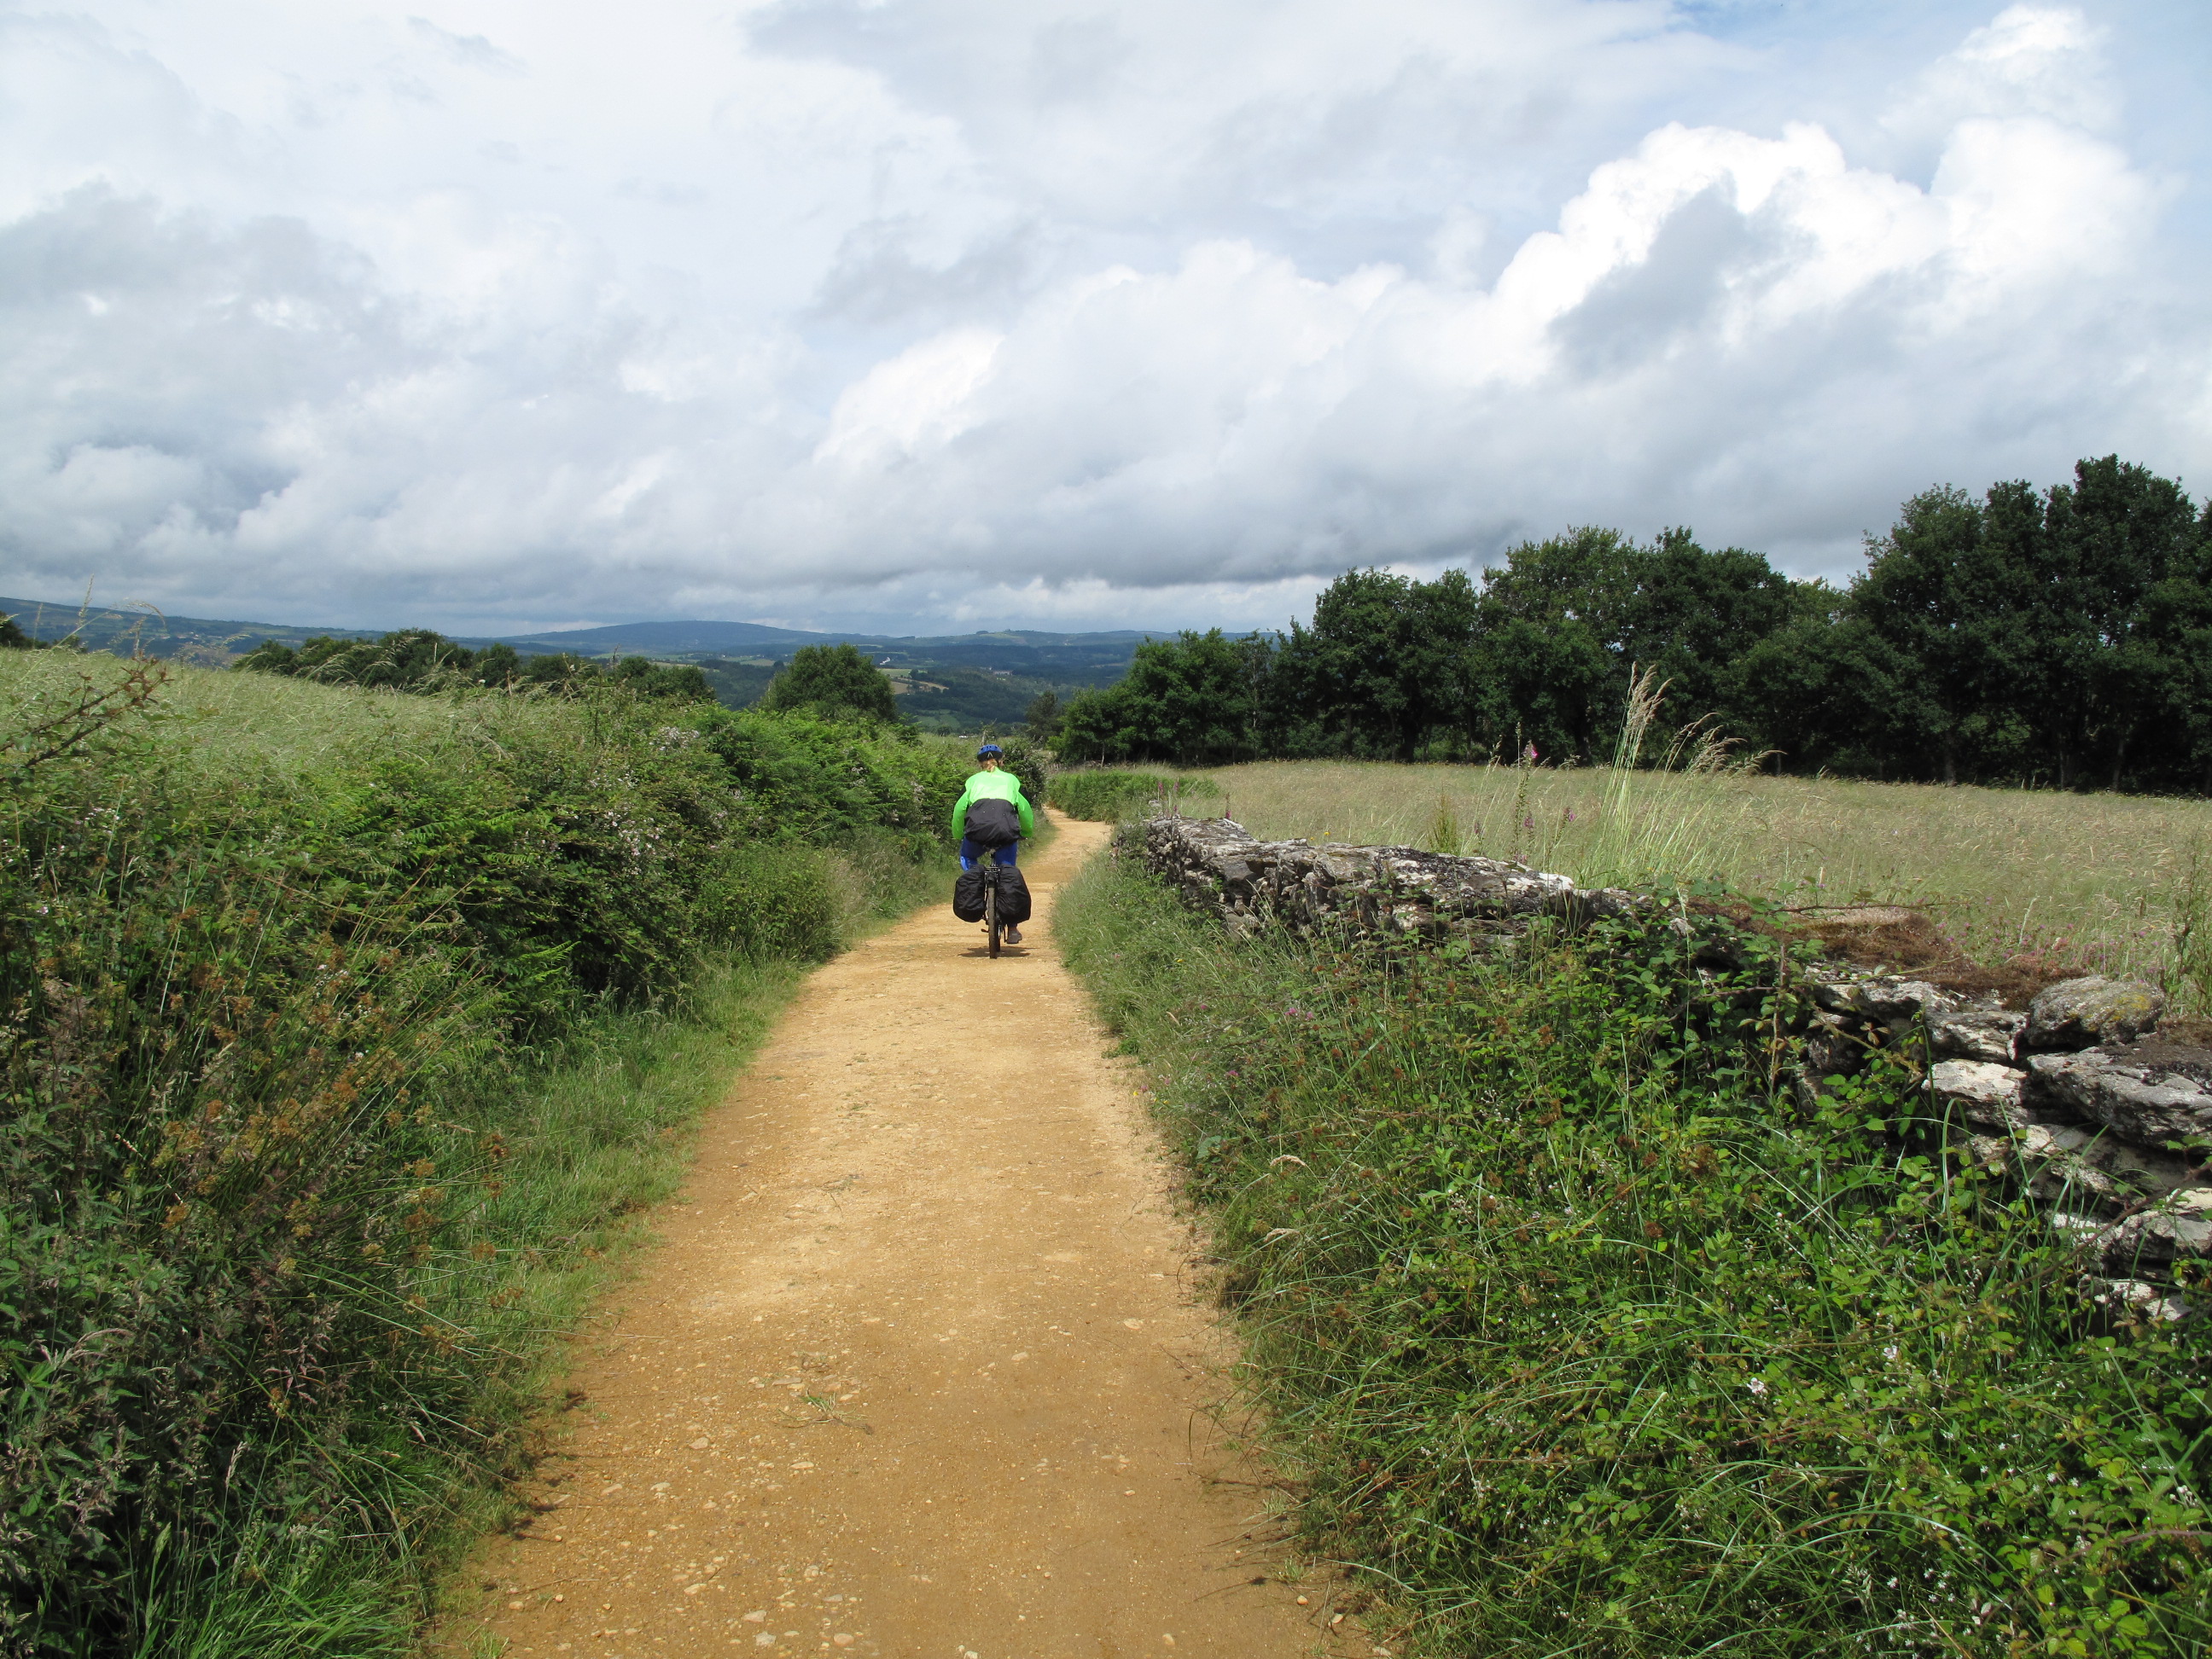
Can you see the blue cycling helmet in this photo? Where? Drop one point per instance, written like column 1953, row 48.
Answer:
column 988, row 749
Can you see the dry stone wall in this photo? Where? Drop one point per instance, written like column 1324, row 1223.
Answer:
column 2076, row 1095
column 1399, row 890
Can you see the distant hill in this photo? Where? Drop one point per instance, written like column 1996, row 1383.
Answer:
column 161, row 636
column 1073, row 658
column 955, row 682
column 656, row 638
column 193, row 639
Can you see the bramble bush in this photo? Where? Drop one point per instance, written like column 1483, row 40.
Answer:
column 1585, row 1338
column 803, row 778
column 274, row 1046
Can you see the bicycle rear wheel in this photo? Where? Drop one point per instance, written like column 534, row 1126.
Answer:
column 991, row 908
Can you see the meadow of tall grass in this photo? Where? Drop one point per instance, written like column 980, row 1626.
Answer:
column 339, row 1031
column 1575, row 1334
column 2086, row 883
column 1106, row 794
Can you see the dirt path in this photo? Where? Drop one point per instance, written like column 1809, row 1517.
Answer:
column 916, row 1372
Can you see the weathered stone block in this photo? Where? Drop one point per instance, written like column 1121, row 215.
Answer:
column 1983, row 1093
column 1886, row 1001
column 2079, row 1013
column 2070, row 1163
column 2178, row 1229
column 1990, row 1035
column 2150, row 1092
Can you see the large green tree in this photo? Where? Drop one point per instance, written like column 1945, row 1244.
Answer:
column 1565, row 622
column 1826, row 692
column 1384, row 668
column 1693, row 613
column 1189, row 699
column 1950, row 591
column 2110, row 539
column 837, row 681
column 2176, row 630
column 2035, row 636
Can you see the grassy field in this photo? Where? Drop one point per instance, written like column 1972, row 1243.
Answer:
column 2102, row 883
column 295, row 726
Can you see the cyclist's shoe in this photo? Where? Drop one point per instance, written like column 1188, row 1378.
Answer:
column 1013, row 936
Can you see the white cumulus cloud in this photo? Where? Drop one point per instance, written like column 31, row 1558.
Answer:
column 920, row 310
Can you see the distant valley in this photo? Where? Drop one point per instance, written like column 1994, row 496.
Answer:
column 954, row 683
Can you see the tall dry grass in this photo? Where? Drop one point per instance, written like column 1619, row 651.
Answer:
column 2106, row 884
column 296, row 726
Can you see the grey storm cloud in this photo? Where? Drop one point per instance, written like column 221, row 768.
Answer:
column 939, row 311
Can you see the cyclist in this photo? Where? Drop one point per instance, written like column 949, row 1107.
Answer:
column 989, row 815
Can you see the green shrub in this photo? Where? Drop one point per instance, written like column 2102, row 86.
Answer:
column 1587, row 1339
column 770, row 900
column 225, row 1182
column 1110, row 796
column 800, row 777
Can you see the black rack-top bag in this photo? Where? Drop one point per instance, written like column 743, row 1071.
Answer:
column 992, row 823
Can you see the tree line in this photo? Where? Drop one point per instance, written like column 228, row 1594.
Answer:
column 2059, row 637
column 422, row 660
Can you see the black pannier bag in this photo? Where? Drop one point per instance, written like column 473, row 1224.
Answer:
column 992, row 823
column 968, row 896
column 1013, row 898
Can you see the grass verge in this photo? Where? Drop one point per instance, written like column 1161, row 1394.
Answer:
column 597, row 1131
column 1584, row 1340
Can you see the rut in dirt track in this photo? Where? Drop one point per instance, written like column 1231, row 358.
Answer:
column 915, row 1371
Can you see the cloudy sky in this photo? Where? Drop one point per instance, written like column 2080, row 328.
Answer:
column 950, row 313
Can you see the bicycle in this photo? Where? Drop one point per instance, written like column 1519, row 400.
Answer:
column 994, row 872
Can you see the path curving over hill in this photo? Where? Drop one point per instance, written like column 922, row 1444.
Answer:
column 916, row 1372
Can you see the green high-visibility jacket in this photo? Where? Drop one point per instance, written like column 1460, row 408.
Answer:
column 992, row 786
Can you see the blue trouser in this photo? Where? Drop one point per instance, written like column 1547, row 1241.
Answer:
column 970, row 854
